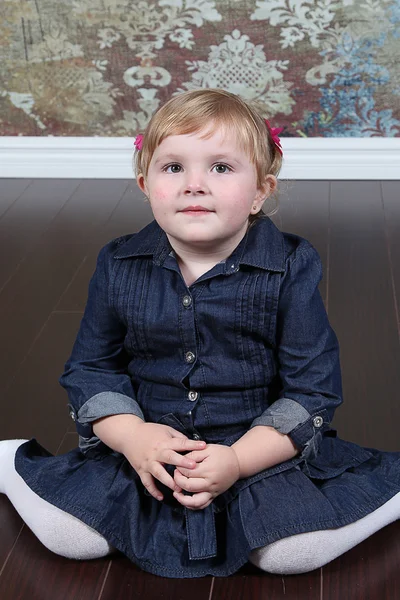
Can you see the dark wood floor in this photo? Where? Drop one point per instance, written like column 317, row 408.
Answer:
column 50, row 233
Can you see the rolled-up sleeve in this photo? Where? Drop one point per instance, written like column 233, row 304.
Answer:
column 96, row 377
column 308, row 357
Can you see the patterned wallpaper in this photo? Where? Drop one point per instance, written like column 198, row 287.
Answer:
column 101, row 67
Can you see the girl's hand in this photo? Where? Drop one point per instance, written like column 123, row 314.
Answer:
column 217, row 469
column 151, row 446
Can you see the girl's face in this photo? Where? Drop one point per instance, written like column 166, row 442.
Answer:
column 202, row 191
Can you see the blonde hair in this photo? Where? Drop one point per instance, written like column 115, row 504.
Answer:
column 193, row 111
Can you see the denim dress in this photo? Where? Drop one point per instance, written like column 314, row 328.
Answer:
column 247, row 344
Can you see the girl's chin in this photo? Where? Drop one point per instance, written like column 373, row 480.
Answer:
column 194, row 239
column 197, row 239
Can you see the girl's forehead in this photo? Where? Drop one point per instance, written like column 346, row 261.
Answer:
column 207, row 139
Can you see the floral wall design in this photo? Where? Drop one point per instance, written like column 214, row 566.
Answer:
column 321, row 68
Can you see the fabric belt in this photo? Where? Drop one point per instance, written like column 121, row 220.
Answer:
column 202, row 537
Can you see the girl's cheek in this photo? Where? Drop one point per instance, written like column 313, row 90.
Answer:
column 159, row 194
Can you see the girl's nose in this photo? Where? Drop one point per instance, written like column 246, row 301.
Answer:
column 193, row 188
column 195, row 185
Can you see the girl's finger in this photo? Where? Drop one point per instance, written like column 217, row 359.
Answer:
column 196, row 471
column 198, row 454
column 178, row 460
column 192, row 484
column 195, row 502
column 150, row 486
column 157, row 470
column 186, row 445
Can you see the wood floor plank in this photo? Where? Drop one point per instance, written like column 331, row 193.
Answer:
column 10, row 528
column 258, row 586
column 35, row 405
column 126, row 582
column 29, row 216
column 370, row 571
column 69, row 442
column 362, row 312
column 10, row 190
column 304, row 210
column 34, row 572
column 391, row 203
column 37, row 286
column 131, row 215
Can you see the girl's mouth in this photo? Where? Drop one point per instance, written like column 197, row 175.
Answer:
column 199, row 210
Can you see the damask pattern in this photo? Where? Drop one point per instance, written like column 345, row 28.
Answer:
column 319, row 68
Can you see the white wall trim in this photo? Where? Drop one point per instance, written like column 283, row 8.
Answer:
column 111, row 158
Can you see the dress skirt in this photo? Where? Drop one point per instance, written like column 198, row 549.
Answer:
column 341, row 485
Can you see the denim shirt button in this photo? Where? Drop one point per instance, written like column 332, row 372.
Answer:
column 192, row 395
column 196, row 436
column 318, row 421
column 186, row 301
column 189, row 357
column 71, row 414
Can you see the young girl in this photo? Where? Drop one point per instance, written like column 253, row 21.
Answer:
column 204, row 378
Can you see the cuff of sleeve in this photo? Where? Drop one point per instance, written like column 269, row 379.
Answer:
column 291, row 418
column 102, row 405
column 307, row 436
column 284, row 415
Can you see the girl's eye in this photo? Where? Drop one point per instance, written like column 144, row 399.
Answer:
column 174, row 168
column 221, row 168
column 177, row 168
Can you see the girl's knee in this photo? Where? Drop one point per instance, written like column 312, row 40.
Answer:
column 80, row 550
column 78, row 543
column 284, row 558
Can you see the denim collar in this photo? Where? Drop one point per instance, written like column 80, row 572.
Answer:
column 262, row 247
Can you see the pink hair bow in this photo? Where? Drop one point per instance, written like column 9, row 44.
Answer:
column 275, row 131
column 138, row 143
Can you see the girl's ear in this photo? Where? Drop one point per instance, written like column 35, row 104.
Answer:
column 140, row 180
column 263, row 192
column 268, row 187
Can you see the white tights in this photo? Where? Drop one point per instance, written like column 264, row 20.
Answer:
column 66, row 535
column 59, row 531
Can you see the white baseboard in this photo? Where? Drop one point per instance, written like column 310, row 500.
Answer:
column 111, row 158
